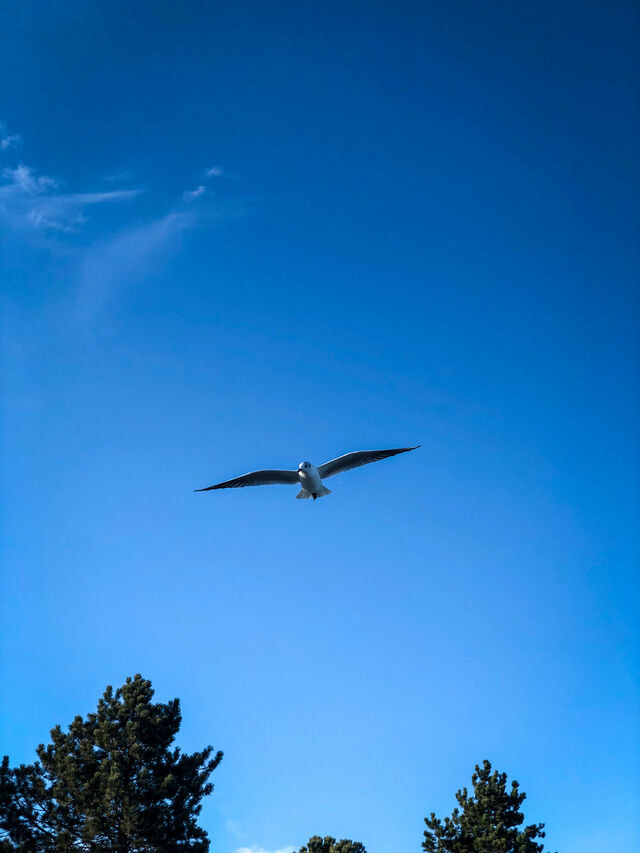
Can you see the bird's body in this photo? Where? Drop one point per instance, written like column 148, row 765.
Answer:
column 310, row 481
column 308, row 476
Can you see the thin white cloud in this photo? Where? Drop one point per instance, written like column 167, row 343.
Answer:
column 127, row 258
column 39, row 210
column 234, row 828
column 30, row 200
column 288, row 849
column 118, row 177
column 11, row 141
column 65, row 212
column 8, row 140
column 23, row 178
column 189, row 195
column 213, row 172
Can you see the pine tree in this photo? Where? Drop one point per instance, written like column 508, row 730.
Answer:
column 316, row 844
column 486, row 822
column 113, row 782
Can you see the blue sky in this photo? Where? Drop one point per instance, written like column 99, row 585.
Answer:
column 243, row 235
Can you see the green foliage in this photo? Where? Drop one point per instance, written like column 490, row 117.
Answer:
column 486, row 822
column 316, row 844
column 113, row 782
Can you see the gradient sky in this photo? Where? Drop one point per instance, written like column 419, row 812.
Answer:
column 239, row 235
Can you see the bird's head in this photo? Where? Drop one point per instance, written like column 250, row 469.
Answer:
column 304, row 466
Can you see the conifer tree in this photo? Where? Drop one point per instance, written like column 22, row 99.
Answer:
column 486, row 822
column 112, row 782
column 316, row 844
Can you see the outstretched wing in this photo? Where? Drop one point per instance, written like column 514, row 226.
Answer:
column 256, row 478
column 355, row 460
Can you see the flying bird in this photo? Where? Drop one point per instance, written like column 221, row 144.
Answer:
column 308, row 476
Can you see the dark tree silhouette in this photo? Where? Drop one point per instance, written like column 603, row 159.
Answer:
column 113, row 782
column 486, row 822
column 316, row 844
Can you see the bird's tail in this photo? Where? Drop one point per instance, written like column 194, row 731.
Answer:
column 304, row 495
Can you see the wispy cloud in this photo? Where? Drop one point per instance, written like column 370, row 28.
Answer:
column 40, row 210
column 31, row 200
column 126, row 258
column 23, row 178
column 213, row 172
column 234, row 828
column 288, row 849
column 189, row 195
column 8, row 140
column 65, row 212
column 118, row 177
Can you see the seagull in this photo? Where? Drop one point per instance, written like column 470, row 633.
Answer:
column 308, row 476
